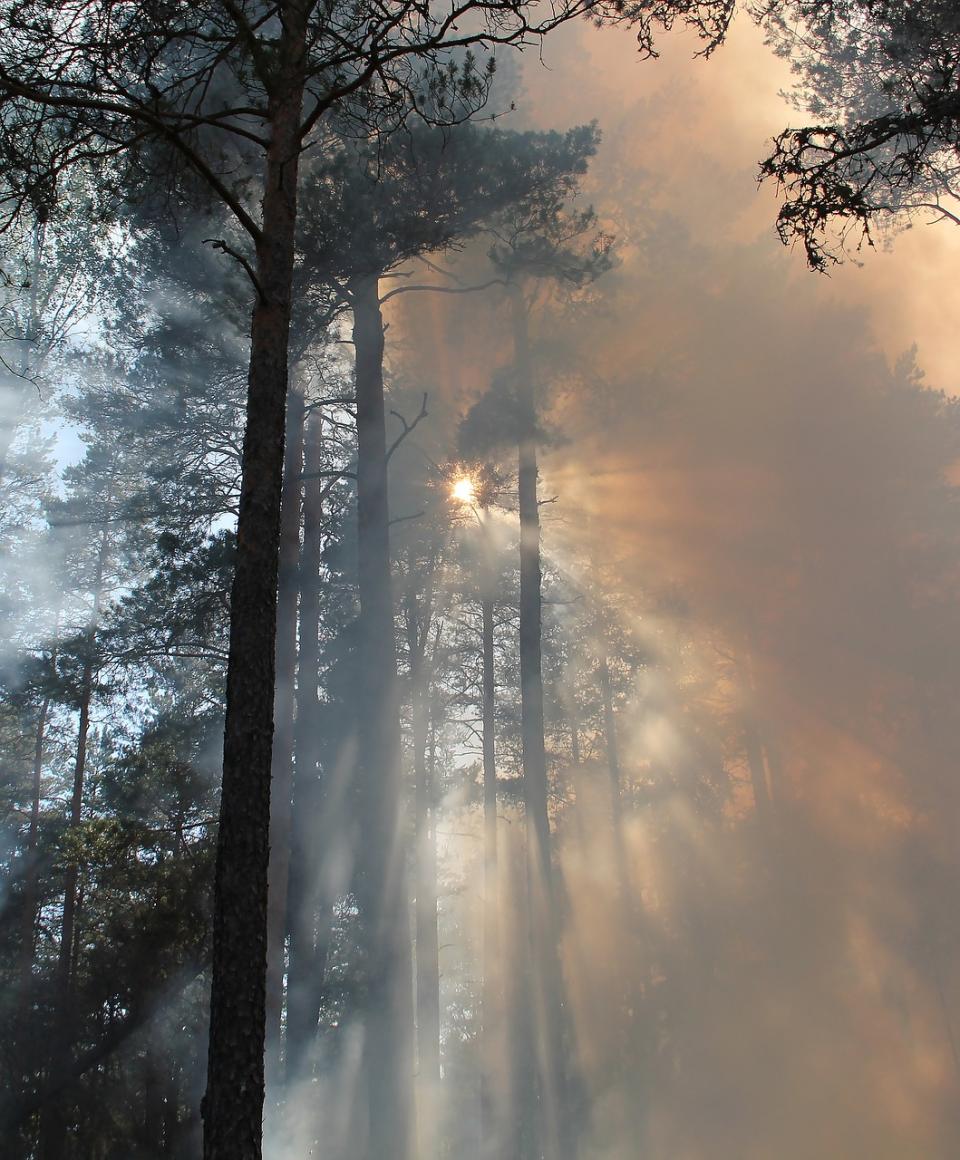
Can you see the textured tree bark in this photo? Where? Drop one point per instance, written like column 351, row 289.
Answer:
column 283, row 737
column 309, row 920
column 381, row 874
column 555, row 1141
column 233, row 1104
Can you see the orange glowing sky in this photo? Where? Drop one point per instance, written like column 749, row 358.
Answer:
column 700, row 127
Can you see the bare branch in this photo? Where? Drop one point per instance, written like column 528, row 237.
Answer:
column 408, row 428
column 226, row 248
column 443, row 289
column 404, row 519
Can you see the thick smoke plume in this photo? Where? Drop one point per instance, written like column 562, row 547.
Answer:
column 756, row 474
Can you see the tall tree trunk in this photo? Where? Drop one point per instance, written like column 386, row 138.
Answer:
column 10, row 419
column 758, row 772
column 427, row 940
column 778, row 789
column 753, row 748
column 283, row 711
column 153, row 1103
column 31, row 867
column 54, row 1118
column 65, row 961
column 427, row 936
column 309, row 908
column 491, row 936
column 19, row 382
column 428, row 949
column 233, row 1104
column 381, row 874
column 616, row 801
column 171, row 1110
column 573, row 718
column 521, row 1130
column 492, row 1001
column 576, row 760
column 85, row 697
column 531, row 664
column 555, row 1141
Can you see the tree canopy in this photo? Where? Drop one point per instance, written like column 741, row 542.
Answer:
column 881, row 77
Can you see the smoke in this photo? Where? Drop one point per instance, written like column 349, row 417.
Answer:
column 756, row 476
column 752, row 637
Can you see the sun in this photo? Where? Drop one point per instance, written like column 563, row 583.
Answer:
column 464, row 491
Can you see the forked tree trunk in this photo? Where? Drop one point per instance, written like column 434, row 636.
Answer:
column 284, row 712
column 381, row 874
column 233, row 1104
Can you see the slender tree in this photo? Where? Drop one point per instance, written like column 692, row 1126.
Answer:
column 543, row 240
column 284, row 725
column 418, row 614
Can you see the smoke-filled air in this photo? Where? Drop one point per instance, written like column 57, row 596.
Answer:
column 479, row 580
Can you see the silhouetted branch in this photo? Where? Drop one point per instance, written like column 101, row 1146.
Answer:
column 226, row 248
column 443, row 289
column 408, row 428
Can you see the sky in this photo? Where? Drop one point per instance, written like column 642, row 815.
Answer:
column 697, row 129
